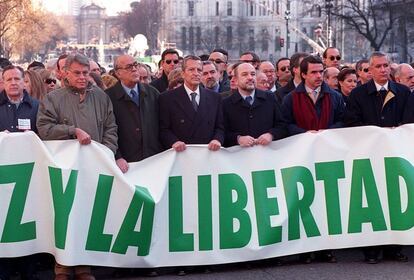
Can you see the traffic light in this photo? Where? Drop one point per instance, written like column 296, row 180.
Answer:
column 282, row 42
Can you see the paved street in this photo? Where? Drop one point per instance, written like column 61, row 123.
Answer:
column 349, row 266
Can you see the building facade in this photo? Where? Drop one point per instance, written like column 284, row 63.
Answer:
column 199, row 26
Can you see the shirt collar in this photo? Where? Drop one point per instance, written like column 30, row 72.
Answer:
column 244, row 96
column 308, row 90
column 379, row 87
column 189, row 91
column 128, row 90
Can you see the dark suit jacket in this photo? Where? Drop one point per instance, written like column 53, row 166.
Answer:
column 365, row 106
column 283, row 91
column 180, row 122
column 241, row 119
column 137, row 127
column 161, row 84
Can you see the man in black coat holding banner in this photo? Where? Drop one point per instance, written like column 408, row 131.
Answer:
column 380, row 102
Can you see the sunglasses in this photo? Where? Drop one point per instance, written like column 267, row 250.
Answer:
column 175, row 61
column 366, row 70
column 284, row 68
column 218, row 61
column 335, row 57
column 49, row 81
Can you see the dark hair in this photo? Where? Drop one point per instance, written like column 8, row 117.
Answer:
column 255, row 57
column 223, row 51
column 62, row 56
column 208, row 62
column 169, row 51
column 36, row 65
column 204, row 57
column 11, row 67
column 280, row 60
column 325, row 52
column 189, row 57
column 304, row 65
column 4, row 62
column 359, row 63
column 295, row 60
column 344, row 73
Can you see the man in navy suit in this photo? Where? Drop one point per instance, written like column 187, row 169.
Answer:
column 191, row 114
column 251, row 116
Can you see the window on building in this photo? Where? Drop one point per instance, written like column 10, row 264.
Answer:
column 251, row 9
column 217, row 36
column 198, row 38
column 251, row 40
column 191, row 38
column 184, row 38
column 217, row 8
column 316, row 11
column 190, row 8
column 277, row 7
column 229, row 8
column 229, row 37
column 265, row 41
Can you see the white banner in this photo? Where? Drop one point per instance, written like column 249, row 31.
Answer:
column 333, row 189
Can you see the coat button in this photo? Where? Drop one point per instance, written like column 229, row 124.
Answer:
column 181, row 121
column 137, row 129
column 251, row 116
column 382, row 117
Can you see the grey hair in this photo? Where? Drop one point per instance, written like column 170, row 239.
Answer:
column 78, row 58
column 377, row 54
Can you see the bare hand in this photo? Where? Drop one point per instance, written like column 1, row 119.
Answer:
column 246, row 141
column 179, row 146
column 264, row 139
column 122, row 164
column 314, row 131
column 83, row 137
column 6, row 131
column 214, row 145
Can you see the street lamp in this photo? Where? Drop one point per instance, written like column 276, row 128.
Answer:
column 328, row 6
column 287, row 18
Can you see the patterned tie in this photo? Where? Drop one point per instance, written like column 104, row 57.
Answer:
column 315, row 94
column 249, row 100
column 134, row 96
column 194, row 101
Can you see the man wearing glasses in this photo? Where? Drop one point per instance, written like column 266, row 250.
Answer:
column 78, row 111
column 136, row 110
column 362, row 68
column 221, row 61
column 331, row 57
column 169, row 61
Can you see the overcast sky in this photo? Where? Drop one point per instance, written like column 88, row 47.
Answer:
column 112, row 6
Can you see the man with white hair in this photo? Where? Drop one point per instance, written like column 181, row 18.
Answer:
column 404, row 74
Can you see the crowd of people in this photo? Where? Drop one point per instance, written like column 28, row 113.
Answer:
column 137, row 113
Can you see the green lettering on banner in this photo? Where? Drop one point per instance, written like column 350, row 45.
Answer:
column 265, row 207
column 142, row 201
column 14, row 230
column 363, row 178
column 178, row 240
column 229, row 210
column 97, row 240
column 205, row 213
column 394, row 169
column 62, row 202
column 299, row 208
column 330, row 173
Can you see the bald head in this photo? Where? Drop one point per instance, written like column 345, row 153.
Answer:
column 330, row 76
column 404, row 74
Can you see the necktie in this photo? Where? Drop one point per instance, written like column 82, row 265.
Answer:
column 194, row 101
column 134, row 96
column 383, row 93
column 315, row 94
column 249, row 100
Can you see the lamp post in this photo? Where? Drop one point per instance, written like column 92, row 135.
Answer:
column 328, row 6
column 287, row 18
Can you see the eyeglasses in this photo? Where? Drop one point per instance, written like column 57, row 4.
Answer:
column 332, row 58
column 79, row 73
column 175, row 61
column 284, row 68
column 49, row 81
column 129, row 67
column 218, row 61
column 247, row 61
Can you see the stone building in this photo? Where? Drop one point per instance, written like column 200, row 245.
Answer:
column 93, row 25
column 198, row 26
